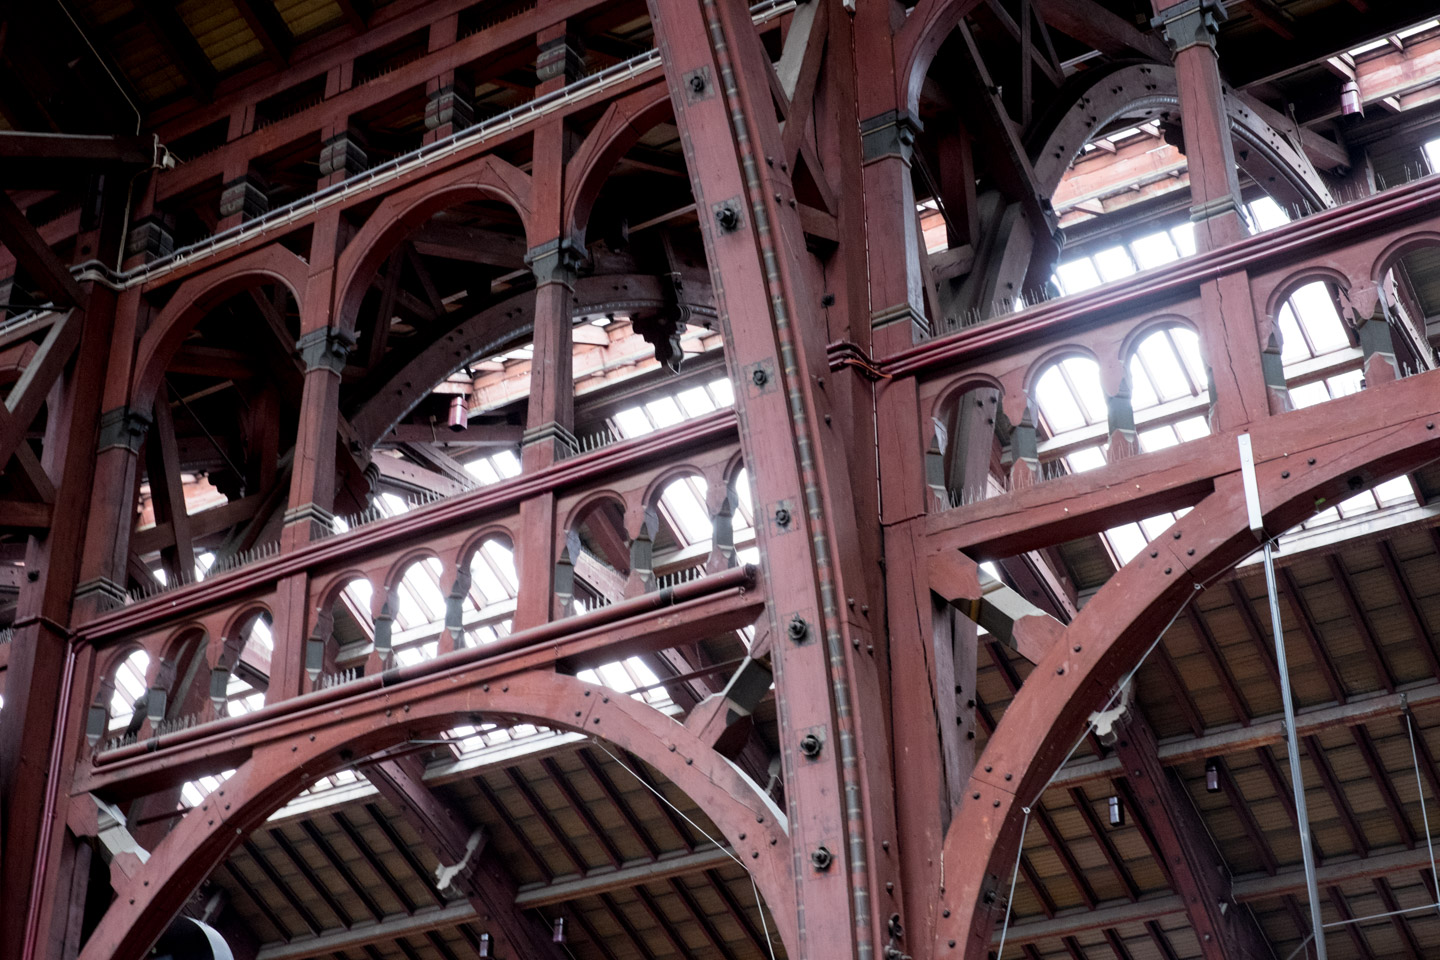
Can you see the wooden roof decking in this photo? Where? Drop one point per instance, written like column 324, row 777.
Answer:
column 1213, row 673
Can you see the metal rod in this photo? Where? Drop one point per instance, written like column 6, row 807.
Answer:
column 1297, row 785
column 1424, row 814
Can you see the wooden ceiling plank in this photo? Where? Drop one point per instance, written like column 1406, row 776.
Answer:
column 737, row 912
column 1257, row 634
column 1179, row 692
column 296, row 904
column 1397, row 919
column 1067, row 859
column 1102, row 839
column 1361, row 620
column 302, row 866
column 393, row 838
column 587, row 928
column 526, row 844
column 363, row 848
column 1336, row 793
column 1240, row 805
column 1306, row 621
column 653, row 792
column 269, row 28
column 582, row 809
column 1222, row 673
column 617, row 916
column 1162, row 942
column 700, row 918
column 245, row 887
column 677, row 942
column 181, row 44
column 627, row 813
column 1037, row 887
column 1385, row 783
column 1357, row 936
column 1410, row 605
column 542, row 813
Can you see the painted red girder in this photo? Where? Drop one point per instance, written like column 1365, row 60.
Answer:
column 1385, row 432
column 725, row 601
column 297, row 751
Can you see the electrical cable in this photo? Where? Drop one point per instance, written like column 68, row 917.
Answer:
column 769, row 942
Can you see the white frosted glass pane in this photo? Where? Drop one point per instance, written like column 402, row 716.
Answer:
column 1157, row 439
column 1084, row 373
column 632, row 422
column 1192, row 428
column 1267, row 214
column 1126, row 541
column 1308, row 395
column 1395, row 491
column 665, row 411
column 1087, row 459
column 1114, row 264
column 1316, row 311
column 1142, row 391
column 1170, row 379
column 1292, row 343
column 1057, row 403
column 1184, row 236
column 1155, row 250
column 1077, row 275
column 695, row 401
column 723, row 393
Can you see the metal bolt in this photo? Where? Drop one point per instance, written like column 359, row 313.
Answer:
column 728, row 219
column 798, row 628
column 782, row 516
column 1284, row 474
column 810, row 745
column 697, row 83
column 759, row 377
column 822, row 858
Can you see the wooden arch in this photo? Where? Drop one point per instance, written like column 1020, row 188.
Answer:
column 272, row 775
column 1352, row 450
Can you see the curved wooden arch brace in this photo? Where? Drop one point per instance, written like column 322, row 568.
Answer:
column 405, row 211
column 270, row 264
column 623, row 124
column 275, row 773
column 926, row 29
column 1373, row 436
column 1146, row 90
column 497, row 326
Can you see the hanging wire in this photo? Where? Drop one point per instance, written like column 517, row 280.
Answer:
column 769, row 942
column 1424, row 815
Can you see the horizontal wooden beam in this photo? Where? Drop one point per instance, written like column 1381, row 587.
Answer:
column 15, row 515
column 452, row 914
column 1263, row 733
column 23, row 145
column 1248, row 889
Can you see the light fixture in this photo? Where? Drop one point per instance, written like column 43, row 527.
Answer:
column 559, row 935
column 1117, row 812
column 484, row 950
column 1212, row 776
column 1350, row 99
column 459, row 415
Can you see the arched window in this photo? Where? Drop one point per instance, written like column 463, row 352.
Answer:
column 1169, row 390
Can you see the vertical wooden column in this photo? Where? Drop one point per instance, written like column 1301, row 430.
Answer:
column 822, row 613
column 1190, row 27
column 447, row 105
column 111, row 517
column 323, row 350
column 550, row 416
column 1229, row 335
column 33, row 730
